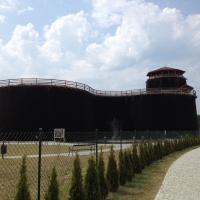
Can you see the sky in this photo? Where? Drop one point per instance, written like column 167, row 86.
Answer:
column 106, row 44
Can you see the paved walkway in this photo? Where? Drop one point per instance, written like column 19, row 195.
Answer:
column 182, row 181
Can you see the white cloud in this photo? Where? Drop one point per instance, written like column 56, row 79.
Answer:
column 2, row 19
column 66, row 37
column 8, row 5
column 21, row 52
column 24, row 10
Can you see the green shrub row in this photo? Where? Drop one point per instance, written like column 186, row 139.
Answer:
column 97, row 181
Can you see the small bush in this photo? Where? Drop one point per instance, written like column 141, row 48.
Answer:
column 103, row 183
column 92, row 181
column 76, row 191
column 122, row 169
column 142, row 155
column 53, row 189
column 112, row 173
column 128, row 166
column 23, row 192
column 136, row 161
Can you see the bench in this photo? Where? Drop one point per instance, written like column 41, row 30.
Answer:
column 82, row 147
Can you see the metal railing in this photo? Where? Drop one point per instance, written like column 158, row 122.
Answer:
column 81, row 86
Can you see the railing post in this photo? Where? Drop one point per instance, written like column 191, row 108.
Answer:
column 39, row 161
column 96, row 147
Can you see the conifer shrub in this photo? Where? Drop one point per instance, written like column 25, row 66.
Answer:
column 166, row 147
column 103, row 183
column 172, row 146
column 128, row 166
column 76, row 191
column 23, row 192
column 53, row 188
column 137, row 168
column 175, row 145
column 112, row 173
column 122, row 169
column 131, row 161
column 151, row 152
column 160, row 149
column 163, row 149
column 142, row 155
column 181, row 144
column 156, row 151
column 146, row 155
column 92, row 189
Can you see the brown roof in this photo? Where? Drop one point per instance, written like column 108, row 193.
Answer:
column 165, row 69
column 187, row 86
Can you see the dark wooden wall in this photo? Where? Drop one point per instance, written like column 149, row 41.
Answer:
column 166, row 82
column 27, row 108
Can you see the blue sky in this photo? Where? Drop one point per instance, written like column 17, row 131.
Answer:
column 107, row 44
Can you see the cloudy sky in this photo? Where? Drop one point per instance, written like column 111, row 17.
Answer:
column 106, row 44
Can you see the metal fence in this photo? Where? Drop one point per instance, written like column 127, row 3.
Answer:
column 43, row 153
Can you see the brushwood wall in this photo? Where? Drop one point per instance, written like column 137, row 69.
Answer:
column 27, row 108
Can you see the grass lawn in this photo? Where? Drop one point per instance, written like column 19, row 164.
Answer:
column 146, row 185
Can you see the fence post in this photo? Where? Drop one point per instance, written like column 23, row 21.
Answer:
column 39, row 161
column 121, row 139
column 148, row 136
column 96, row 147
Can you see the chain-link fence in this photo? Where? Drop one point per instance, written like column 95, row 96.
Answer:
column 60, row 153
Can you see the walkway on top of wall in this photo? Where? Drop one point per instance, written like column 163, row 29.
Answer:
column 84, row 87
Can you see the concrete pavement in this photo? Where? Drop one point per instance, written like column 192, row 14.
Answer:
column 182, row 181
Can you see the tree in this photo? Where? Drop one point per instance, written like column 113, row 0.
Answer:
column 151, row 151
column 142, row 155
column 122, row 169
column 23, row 192
column 147, row 155
column 136, row 161
column 53, row 189
column 128, row 166
column 112, row 173
column 92, row 181
column 76, row 191
column 103, row 183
